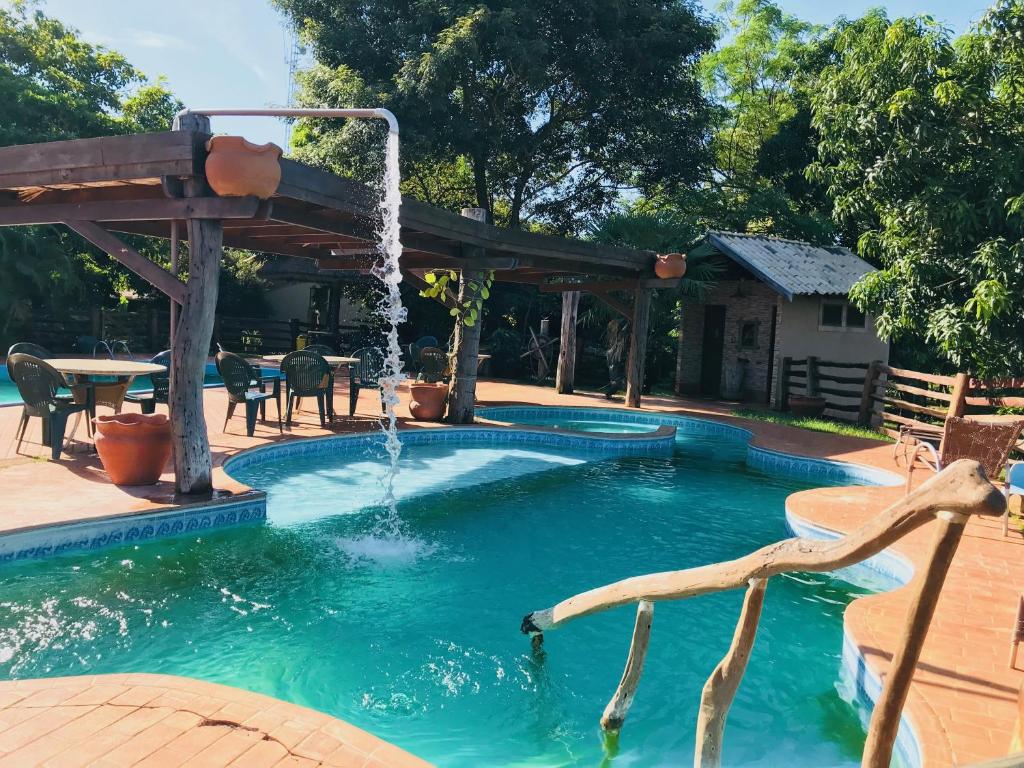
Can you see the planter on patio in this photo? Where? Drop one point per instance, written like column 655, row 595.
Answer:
column 133, row 447
column 428, row 401
column 808, row 407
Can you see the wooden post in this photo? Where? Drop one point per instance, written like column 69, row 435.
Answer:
column 566, row 373
column 721, row 687
column 638, row 347
column 867, row 403
column 782, row 398
column 618, row 707
column 885, row 717
column 193, row 467
column 680, row 349
column 462, row 390
column 175, row 240
column 958, row 404
column 812, row 376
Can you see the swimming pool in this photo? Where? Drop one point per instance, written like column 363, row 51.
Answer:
column 416, row 638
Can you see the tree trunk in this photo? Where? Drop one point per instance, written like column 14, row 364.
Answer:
column 193, row 466
column 638, row 347
column 566, row 373
column 462, row 390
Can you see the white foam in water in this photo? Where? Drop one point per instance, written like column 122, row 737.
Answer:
column 384, row 550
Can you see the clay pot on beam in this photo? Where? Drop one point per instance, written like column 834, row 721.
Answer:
column 670, row 266
column 238, row 168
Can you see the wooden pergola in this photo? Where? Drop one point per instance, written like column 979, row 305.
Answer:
column 154, row 184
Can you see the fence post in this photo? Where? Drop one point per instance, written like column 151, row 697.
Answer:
column 96, row 320
column 782, row 398
column 154, row 331
column 293, row 329
column 866, row 402
column 958, row 404
column 812, row 376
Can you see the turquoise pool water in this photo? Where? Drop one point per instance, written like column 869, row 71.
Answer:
column 417, row 639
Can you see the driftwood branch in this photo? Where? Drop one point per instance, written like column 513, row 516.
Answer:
column 885, row 717
column 615, row 713
column 962, row 488
column 721, row 687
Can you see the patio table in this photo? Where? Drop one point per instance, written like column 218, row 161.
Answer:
column 85, row 368
column 335, row 361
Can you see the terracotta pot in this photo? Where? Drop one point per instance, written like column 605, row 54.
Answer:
column 238, row 168
column 802, row 405
column 428, row 401
column 670, row 265
column 133, row 447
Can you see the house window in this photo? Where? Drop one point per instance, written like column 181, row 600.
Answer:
column 839, row 315
column 748, row 334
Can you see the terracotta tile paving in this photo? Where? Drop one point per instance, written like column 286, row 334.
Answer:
column 962, row 701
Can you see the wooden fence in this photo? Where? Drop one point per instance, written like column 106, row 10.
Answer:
column 848, row 388
column 147, row 330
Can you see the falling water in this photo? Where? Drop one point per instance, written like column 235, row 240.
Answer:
column 391, row 309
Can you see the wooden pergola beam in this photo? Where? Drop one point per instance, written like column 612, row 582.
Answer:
column 604, row 286
column 623, row 308
column 149, row 271
column 132, row 210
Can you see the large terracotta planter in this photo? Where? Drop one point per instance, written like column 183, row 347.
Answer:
column 670, row 266
column 133, row 447
column 808, row 407
column 428, row 401
column 238, row 168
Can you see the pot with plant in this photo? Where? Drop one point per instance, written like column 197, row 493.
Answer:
column 252, row 341
column 430, row 392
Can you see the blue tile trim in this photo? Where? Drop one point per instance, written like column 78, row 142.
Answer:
column 98, row 534
column 588, row 443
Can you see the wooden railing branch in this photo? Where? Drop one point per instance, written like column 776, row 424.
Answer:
column 618, row 707
column 721, row 687
column 962, row 487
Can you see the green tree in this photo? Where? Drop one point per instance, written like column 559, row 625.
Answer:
column 920, row 150
column 551, row 107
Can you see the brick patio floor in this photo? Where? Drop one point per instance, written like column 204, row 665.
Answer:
column 962, row 701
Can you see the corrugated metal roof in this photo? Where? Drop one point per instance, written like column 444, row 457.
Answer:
column 792, row 267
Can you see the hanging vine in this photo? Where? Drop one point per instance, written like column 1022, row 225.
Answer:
column 468, row 309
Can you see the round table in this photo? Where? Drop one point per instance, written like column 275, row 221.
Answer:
column 335, row 361
column 84, row 368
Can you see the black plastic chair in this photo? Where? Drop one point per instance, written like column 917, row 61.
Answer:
column 37, row 383
column 367, row 375
column 320, row 349
column 161, row 386
column 306, row 374
column 238, row 377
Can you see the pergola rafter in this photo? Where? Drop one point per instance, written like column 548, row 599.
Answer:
column 154, row 184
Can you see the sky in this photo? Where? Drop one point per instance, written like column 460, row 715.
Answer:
column 233, row 53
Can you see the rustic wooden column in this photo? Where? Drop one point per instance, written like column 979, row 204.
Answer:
column 462, row 390
column 193, row 466
column 566, row 373
column 638, row 346
column 680, row 349
column 173, row 315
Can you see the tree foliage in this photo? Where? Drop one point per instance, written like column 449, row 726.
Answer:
column 920, row 150
column 551, row 107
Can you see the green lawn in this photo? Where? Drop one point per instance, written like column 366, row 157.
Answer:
column 816, row 425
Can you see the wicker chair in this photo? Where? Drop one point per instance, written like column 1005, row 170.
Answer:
column 416, row 350
column 433, row 364
column 366, row 376
column 238, row 377
column 37, row 383
column 161, row 385
column 306, row 374
column 985, row 442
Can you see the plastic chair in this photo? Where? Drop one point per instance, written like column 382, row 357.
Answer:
column 161, row 386
column 1014, row 487
column 37, row 383
column 238, row 378
column 366, row 376
column 306, row 374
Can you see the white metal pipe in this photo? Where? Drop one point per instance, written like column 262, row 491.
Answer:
column 364, row 114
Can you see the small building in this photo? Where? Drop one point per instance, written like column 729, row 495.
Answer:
column 777, row 298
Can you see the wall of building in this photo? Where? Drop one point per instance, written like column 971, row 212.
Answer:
column 799, row 335
column 744, row 301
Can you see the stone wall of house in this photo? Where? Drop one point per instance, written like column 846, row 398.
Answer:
column 745, row 301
